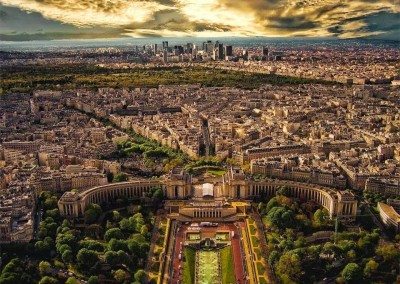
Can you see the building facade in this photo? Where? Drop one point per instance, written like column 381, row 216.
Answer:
column 233, row 186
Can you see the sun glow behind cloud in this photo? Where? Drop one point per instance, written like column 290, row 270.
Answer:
column 139, row 18
column 89, row 13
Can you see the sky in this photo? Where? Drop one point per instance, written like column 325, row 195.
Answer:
column 67, row 19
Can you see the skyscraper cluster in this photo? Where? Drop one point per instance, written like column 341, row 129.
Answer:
column 213, row 51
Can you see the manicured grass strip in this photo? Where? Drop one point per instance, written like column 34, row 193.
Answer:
column 217, row 172
column 255, row 241
column 253, row 230
column 227, row 266
column 260, row 268
column 189, row 265
column 262, row 280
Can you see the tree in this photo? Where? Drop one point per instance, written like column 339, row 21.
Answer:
column 120, row 177
column 388, row 252
column 352, row 273
column 365, row 245
column 289, row 267
column 128, row 225
column 284, row 190
column 53, row 213
column 48, row 280
column 14, row 272
column 140, row 276
column 117, row 245
column 321, row 217
column 67, row 256
column 111, row 257
column 44, row 267
column 65, row 224
column 158, row 194
column 133, row 246
column 124, row 258
column 42, row 247
column 92, row 213
column 61, row 249
column 67, row 238
column 346, row 245
column 144, row 249
column 116, row 216
column 113, row 233
column 370, row 267
column 92, row 245
column 273, row 257
column 87, row 258
column 72, row 280
column 351, row 255
column 120, row 275
column 144, row 230
column 93, row 280
column 281, row 217
column 50, row 203
column 271, row 204
column 139, row 221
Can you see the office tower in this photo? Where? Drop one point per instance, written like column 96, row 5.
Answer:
column 194, row 51
column 178, row 49
column 206, row 46
column 245, row 54
column 189, row 47
column 155, row 48
column 165, row 45
column 265, row 53
column 220, row 51
column 210, row 47
column 214, row 54
column 165, row 56
column 228, row 50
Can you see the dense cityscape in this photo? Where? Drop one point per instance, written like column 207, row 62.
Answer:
column 200, row 163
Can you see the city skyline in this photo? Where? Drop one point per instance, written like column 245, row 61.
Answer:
column 72, row 19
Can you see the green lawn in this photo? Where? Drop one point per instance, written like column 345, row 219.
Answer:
column 189, row 265
column 262, row 280
column 255, row 241
column 208, row 267
column 260, row 268
column 253, row 229
column 257, row 251
column 217, row 173
column 227, row 266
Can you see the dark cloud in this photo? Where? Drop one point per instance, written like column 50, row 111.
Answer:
column 379, row 23
column 344, row 18
column 290, row 23
column 16, row 24
column 175, row 20
column 53, row 36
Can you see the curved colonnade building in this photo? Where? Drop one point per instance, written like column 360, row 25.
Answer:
column 178, row 187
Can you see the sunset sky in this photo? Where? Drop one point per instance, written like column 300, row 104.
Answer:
column 57, row 19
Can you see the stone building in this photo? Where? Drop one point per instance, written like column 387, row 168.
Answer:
column 390, row 217
column 384, row 186
column 221, row 193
